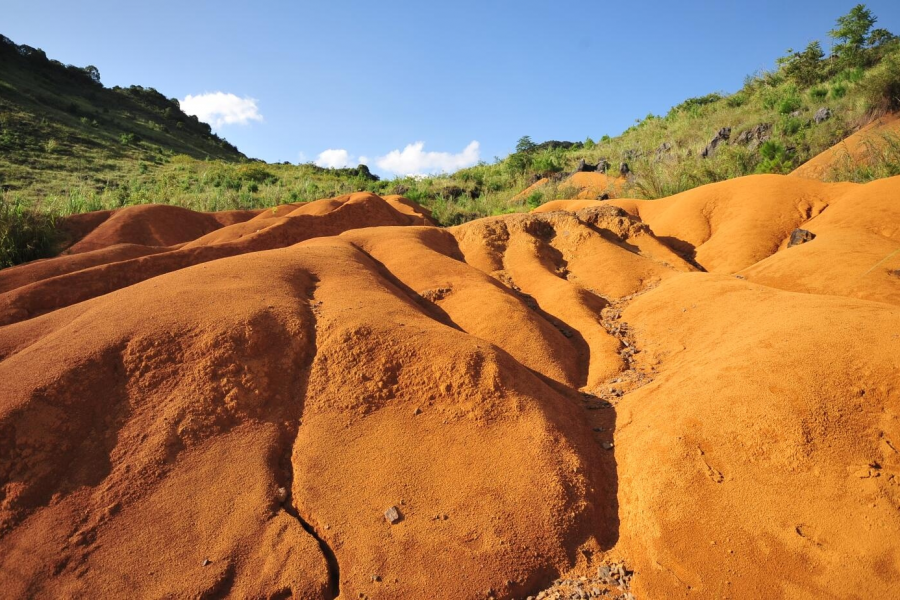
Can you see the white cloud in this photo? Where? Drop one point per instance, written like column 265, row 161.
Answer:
column 219, row 108
column 413, row 160
column 363, row 160
column 333, row 159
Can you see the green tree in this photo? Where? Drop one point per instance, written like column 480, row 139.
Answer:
column 852, row 34
column 880, row 37
column 525, row 144
column 805, row 68
column 93, row 72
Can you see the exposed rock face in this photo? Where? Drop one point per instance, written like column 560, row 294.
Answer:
column 755, row 136
column 721, row 136
column 663, row 151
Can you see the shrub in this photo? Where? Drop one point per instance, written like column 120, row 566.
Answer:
column 818, row 93
column 838, row 90
column 247, row 176
column 789, row 105
column 256, row 173
column 534, row 199
column 546, row 163
column 881, row 87
column 692, row 106
column 737, row 100
column 853, row 75
column 127, row 138
column 805, row 68
column 771, row 98
column 791, row 126
column 775, row 158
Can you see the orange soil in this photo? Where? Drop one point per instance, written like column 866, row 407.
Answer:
column 855, row 148
column 232, row 413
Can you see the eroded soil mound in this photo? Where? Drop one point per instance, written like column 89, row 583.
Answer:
column 338, row 398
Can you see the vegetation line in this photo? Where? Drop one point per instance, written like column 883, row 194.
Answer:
column 70, row 145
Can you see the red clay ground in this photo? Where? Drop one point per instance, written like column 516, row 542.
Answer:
column 226, row 405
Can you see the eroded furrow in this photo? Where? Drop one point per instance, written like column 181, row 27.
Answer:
column 331, row 561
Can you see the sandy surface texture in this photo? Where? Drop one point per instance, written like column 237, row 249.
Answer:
column 692, row 397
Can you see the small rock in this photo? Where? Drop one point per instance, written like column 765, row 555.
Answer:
column 417, row 412
column 281, row 495
column 392, row 515
column 602, row 165
column 800, row 236
column 607, row 445
column 822, row 115
column 205, row 562
column 624, row 169
column 376, row 578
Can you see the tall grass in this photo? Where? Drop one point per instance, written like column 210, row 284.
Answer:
column 881, row 158
column 25, row 233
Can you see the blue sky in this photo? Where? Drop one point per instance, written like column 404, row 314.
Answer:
column 371, row 79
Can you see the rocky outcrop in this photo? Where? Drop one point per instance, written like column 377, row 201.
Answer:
column 721, row 137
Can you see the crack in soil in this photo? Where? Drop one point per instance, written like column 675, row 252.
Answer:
column 331, row 562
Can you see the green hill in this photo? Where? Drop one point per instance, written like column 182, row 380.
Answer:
column 60, row 128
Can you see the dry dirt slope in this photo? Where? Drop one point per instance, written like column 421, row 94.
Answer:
column 200, row 406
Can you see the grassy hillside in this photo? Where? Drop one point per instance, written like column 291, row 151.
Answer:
column 69, row 145
column 60, row 128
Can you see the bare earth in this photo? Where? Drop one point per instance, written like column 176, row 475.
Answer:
column 661, row 397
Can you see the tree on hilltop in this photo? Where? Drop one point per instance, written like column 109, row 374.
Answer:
column 525, row 144
column 852, row 35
